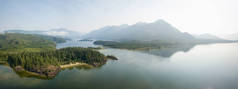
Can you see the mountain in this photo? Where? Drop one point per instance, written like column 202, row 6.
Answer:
column 207, row 36
column 61, row 32
column 158, row 34
column 158, row 30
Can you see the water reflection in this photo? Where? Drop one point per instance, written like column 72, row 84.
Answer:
column 10, row 80
column 168, row 51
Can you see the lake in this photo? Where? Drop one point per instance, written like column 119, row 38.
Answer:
column 210, row 66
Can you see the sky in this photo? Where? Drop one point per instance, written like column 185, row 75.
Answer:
column 218, row 17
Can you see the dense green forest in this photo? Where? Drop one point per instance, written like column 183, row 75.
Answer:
column 31, row 60
column 48, row 63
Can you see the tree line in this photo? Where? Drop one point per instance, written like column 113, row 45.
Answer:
column 31, row 60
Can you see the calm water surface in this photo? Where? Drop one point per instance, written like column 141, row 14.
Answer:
column 212, row 66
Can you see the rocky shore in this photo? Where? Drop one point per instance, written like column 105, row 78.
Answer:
column 111, row 57
column 49, row 71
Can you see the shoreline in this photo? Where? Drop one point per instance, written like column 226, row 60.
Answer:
column 74, row 64
column 25, row 73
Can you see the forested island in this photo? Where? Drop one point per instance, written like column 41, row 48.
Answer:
column 155, row 44
column 138, row 45
column 37, row 55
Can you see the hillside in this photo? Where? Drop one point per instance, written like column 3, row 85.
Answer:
column 20, row 41
column 53, row 38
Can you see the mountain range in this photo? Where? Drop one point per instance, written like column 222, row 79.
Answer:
column 158, row 30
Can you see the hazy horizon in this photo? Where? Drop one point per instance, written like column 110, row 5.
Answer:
column 217, row 17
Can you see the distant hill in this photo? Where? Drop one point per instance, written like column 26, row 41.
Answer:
column 61, row 32
column 158, row 30
column 21, row 41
